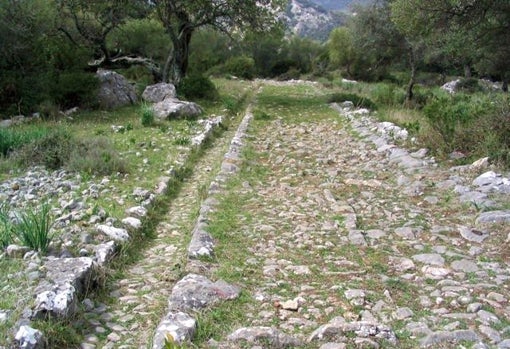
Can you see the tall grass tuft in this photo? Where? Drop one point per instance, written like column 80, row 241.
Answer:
column 147, row 115
column 33, row 228
column 13, row 138
column 5, row 226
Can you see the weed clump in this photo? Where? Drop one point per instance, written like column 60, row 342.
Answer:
column 33, row 228
column 147, row 115
column 96, row 156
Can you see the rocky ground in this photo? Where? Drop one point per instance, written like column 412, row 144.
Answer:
column 341, row 238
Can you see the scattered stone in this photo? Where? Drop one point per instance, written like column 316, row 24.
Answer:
column 338, row 327
column 449, row 337
column 290, row 305
column 180, row 326
column 118, row 234
column 473, row 235
column 264, row 336
column 30, row 338
column 464, row 265
column 194, row 292
column 429, row 258
column 494, row 217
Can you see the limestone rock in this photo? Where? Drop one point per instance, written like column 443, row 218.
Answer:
column 179, row 325
column 66, row 279
column 194, row 292
column 338, row 327
column 171, row 108
column 264, row 336
column 30, row 338
column 159, row 92
column 118, row 234
column 115, row 90
column 494, row 217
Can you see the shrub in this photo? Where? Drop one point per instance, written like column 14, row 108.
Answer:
column 469, row 85
column 52, row 150
column 384, row 94
column 75, row 88
column 241, row 66
column 96, row 156
column 197, row 87
column 447, row 112
column 146, row 115
column 33, row 228
column 12, row 139
column 358, row 101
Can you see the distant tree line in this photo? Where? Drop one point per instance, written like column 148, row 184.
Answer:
column 51, row 48
column 461, row 37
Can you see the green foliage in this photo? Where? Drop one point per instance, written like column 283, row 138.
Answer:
column 242, row 67
column 357, row 100
column 74, row 88
column 261, row 115
column 6, row 228
column 14, row 138
column 33, row 228
column 387, row 94
column 95, row 156
column 447, row 112
column 52, row 150
column 145, row 37
column 341, row 49
column 469, row 85
column 146, row 115
column 181, row 140
column 197, row 87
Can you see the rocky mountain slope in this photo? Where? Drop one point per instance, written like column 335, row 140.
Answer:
column 308, row 19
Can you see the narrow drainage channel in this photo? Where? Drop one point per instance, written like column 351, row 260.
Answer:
column 135, row 302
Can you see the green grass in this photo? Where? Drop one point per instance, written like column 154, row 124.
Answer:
column 33, row 228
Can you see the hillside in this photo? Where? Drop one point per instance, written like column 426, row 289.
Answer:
column 308, row 19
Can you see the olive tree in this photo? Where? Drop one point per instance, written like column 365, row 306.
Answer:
column 182, row 18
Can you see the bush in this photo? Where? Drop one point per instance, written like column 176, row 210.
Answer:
column 447, row 112
column 75, row 88
column 243, row 67
column 96, row 156
column 469, row 85
column 12, row 139
column 52, row 150
column 386, row 94
column 197, row 87
column 146, row 115
column 33, row 228
column 358, row 101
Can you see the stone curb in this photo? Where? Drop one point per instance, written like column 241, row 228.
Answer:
column 69, row 278
column 194, row 291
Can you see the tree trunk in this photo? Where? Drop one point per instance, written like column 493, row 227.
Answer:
column 412, row 79
column 467, row 71
column 505, row 85
column 176, row 65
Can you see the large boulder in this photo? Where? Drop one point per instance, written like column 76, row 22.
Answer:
column 171, row 108
column 115, row 90
column 159, row 92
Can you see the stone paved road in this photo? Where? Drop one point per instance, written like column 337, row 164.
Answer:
column 339, row 240
column 354, row 242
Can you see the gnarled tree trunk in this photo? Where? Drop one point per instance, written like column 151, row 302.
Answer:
column 176, row 65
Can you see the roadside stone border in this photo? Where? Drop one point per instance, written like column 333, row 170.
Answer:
column 194, row 291
column 67, row 279
column 383, row 135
